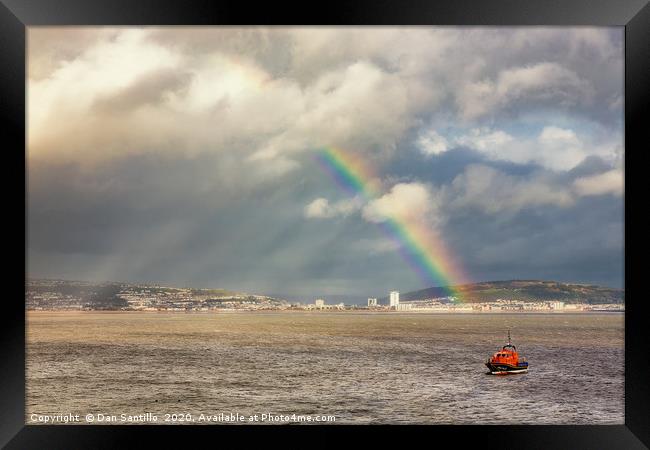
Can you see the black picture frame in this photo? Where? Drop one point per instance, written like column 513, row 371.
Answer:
column 634, row 15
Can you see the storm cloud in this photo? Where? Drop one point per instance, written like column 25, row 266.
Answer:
column 185, row 156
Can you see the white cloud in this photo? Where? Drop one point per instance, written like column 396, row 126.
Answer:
column 318, row 208
column 220, row 103
column 359, row 107
column 432, row 143
column 407, row 201
column 559, row 148
column 485, row 139
column 610, row 182
column 259, row 96
column 555, row 135
column 321, row 208
column 58, row 104
column 555, row 148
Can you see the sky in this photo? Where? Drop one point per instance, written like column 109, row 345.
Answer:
column 194, row 156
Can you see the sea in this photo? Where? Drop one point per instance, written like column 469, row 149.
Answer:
column 293, row 367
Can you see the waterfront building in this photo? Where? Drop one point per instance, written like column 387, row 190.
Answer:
column 320, row 303
column 372, row 302
column 394, row 299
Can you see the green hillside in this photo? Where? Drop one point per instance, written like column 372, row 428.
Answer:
column 524, row 290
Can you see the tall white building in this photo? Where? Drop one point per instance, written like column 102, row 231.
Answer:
column 372, row 302
column 394, row 299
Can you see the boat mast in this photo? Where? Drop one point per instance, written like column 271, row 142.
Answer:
column 509, row 338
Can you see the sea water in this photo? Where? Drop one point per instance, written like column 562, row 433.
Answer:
column 359, row 368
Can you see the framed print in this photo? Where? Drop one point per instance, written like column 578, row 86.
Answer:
column 374, row 215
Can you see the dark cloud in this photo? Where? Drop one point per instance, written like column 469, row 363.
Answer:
column 583, row 243
column 194, row 167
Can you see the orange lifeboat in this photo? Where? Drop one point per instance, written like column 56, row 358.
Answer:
column 507, row 361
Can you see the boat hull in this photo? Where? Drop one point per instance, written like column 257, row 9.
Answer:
column 506, row 369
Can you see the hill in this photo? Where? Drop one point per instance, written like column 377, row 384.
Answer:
column 524, row 290
column 64, row 294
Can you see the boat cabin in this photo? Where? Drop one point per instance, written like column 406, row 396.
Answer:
column 507, row 355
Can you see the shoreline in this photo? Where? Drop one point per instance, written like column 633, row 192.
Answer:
column 359, row 311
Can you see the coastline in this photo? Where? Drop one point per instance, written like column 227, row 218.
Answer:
column 305, row 311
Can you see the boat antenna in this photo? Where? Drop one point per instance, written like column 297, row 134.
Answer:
column 509, row 338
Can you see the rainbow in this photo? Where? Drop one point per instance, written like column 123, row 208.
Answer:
column 418, row 244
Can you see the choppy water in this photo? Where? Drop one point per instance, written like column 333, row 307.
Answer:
column 359, row 367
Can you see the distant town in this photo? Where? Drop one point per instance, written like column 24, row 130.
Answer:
column 63, row 295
